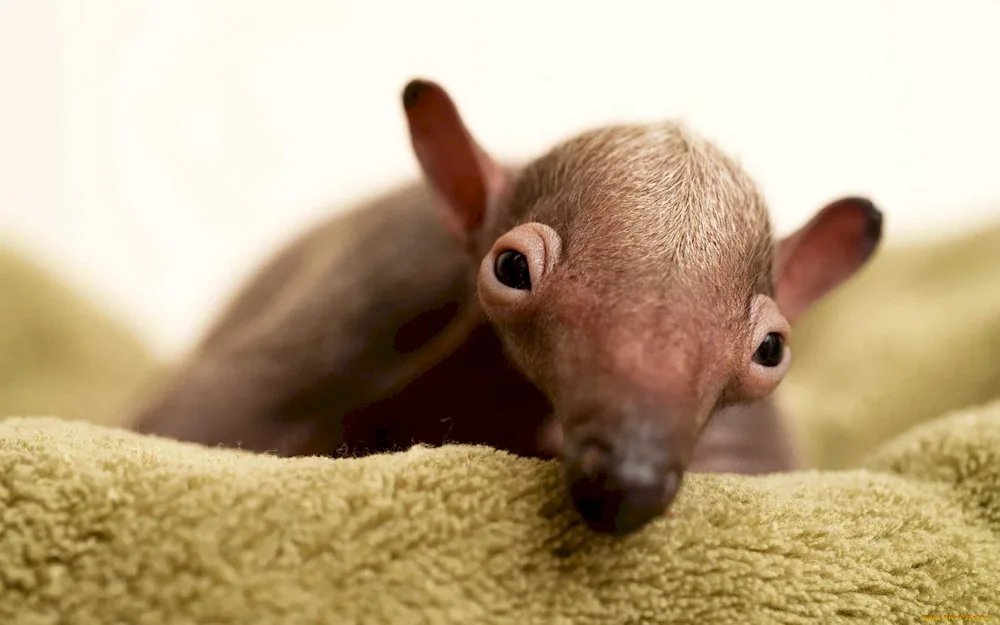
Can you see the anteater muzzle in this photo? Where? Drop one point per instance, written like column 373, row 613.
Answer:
column 622, row 472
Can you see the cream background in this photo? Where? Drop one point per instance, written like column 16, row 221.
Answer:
column 152, row 150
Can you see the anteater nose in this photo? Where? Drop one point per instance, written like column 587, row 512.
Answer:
column 618, row 493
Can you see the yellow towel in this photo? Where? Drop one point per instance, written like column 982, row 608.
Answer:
column 103, row 526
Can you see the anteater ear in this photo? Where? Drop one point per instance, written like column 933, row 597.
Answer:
column 465, row 178
column 824, row 253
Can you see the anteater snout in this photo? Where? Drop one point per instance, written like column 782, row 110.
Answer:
column 620, row 484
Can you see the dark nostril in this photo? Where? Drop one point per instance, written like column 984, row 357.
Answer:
column 621, row 497
column 597, row 504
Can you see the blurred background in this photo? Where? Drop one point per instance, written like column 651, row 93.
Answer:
column 153, row 151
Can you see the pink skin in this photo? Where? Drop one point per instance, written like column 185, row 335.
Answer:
column 633, row 376
column 618, row 303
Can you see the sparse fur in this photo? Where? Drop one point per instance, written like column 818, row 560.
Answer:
column 690, row 212
column 632, row 348
column 658, row 226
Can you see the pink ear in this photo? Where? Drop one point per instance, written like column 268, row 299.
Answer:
column 825, row 252
column 465, row 178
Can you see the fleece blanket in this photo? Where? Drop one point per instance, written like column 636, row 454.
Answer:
column 894, row 394
column 60, row 353
column 103, row 526
column 914, row 335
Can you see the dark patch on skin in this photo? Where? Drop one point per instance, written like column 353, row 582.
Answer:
column 872, row 223
column 413, row 91
column 873, row 227
column 419, row 331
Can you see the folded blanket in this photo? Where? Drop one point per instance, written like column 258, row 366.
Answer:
column 98, row 525
column 102, row 526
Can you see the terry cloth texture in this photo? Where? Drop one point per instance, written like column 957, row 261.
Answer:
column 104, row 526
column 900, row 525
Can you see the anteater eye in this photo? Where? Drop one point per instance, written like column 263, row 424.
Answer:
column 511, row 269
column 771, row 351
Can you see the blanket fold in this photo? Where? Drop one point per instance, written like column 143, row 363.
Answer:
column 900, row 523
column 102, row 525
